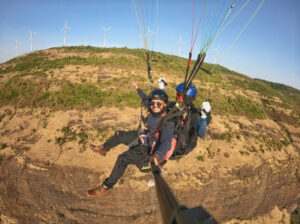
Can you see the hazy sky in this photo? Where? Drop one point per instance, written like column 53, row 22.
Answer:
column 268, row 49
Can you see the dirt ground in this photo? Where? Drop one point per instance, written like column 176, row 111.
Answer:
column 32, row 134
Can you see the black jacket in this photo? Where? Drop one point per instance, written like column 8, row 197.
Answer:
column 164, row 139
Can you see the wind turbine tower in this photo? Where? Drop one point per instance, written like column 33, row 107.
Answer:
column 180, row 43
column 17, row 47
column 66, row 27
column 105, row 29
column 31, row 39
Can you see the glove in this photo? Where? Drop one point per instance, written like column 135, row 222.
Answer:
column 205, row 109
column 162, row 82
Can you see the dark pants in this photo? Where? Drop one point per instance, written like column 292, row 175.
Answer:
column 120, row 137
column 138, row 155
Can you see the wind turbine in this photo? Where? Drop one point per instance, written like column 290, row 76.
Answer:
column 180, row 43
column 66, row 27
column 31, row 39
column 17, row 47
column 105, row 29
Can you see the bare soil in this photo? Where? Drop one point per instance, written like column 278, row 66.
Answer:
column 54, row 178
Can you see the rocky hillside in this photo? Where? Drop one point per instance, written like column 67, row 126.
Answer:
column 53, row 103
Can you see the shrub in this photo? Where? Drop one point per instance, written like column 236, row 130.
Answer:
column 3, row 145
column 201, row 158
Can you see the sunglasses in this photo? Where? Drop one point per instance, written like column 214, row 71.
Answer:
column 157, row 103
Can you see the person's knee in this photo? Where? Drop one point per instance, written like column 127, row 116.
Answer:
column 122, row 159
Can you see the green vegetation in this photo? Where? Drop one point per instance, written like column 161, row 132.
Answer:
column 238, row 105
column 227, row 136
column 275, row 144
column 274, row 95
column 226, row 155
column 244, row 153
column 201, row 158
column 295, row 216
column 253, row 149
column 211, row 153
column 33, row 76
column 41, row 61
column 272, row 143
column 3, row 146
column 261, row 148
column 82, row 138
column 82, row 96
column 291, row 92
column 69, row 135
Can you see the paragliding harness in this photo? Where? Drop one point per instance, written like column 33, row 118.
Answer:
column 183, row 132
column 181, row 137
column 181, row 115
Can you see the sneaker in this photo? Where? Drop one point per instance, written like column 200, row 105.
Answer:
column 98, row 149
column 151, row 182
column 99, row 191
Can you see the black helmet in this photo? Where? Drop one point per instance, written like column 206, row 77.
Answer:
column 158, row 94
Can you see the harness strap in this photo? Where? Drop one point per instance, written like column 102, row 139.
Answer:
column 174, row 112
column 171, row 150
column 154, row 142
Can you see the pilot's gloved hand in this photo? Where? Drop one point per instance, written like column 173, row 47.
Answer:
column 205, row 109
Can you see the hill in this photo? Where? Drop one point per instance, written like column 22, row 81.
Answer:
column 76, row 77
column 54, row 102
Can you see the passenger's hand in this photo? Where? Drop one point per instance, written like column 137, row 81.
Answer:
column 153, row 159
